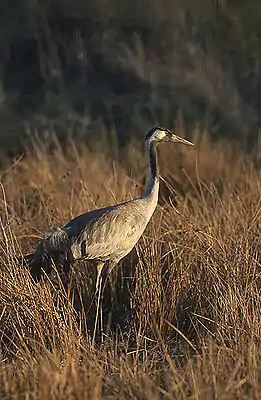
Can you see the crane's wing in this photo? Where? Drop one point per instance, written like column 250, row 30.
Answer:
column 107, row 234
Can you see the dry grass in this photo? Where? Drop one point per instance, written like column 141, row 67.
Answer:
column 182, row 311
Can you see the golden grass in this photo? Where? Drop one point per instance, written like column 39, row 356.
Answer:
column 182, row 312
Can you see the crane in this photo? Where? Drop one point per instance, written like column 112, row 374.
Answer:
column 107, row 234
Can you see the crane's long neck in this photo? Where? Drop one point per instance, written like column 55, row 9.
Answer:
column 152, row 189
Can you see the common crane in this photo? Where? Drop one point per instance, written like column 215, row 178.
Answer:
column 106, row 234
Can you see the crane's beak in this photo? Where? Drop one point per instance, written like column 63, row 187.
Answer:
column 178, row 139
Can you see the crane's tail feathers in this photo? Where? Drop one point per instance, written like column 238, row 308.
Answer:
column 34, row 263
column 52, row 249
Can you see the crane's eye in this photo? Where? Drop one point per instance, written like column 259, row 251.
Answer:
column 168, row 133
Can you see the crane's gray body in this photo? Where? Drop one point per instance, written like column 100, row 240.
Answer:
column 106, row 234
column 110, row 233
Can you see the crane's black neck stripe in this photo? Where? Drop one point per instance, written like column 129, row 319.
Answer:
column 153, row 159
column 154, row 171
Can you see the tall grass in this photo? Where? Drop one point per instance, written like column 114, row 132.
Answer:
column 182, row 311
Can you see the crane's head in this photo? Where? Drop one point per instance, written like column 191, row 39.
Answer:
column 159, row 134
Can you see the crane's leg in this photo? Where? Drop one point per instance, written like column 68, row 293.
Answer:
column 98, row 294
column 99, row 268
